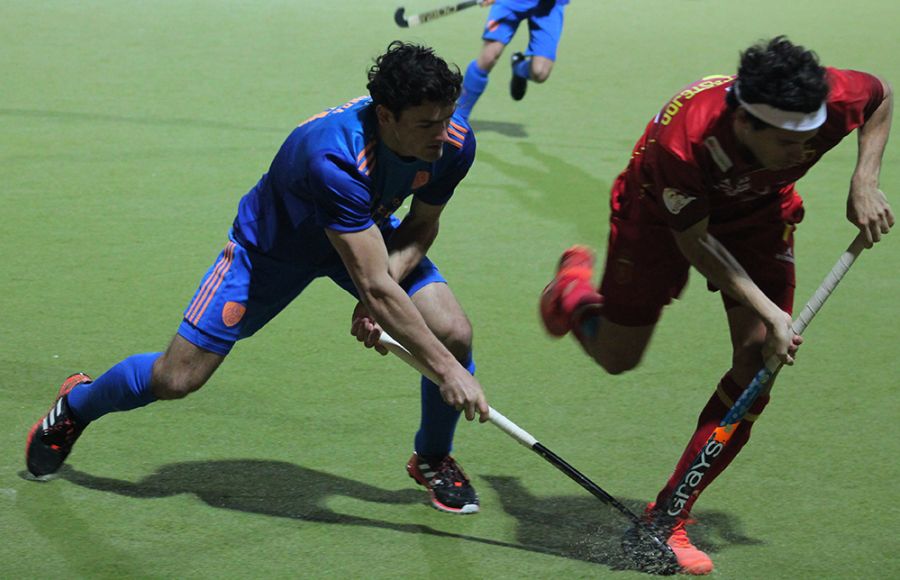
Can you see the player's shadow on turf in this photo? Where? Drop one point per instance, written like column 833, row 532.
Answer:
column 551, row 188
column 273, row 488
column 574, row 527
column 584, row 528
column 502, row 127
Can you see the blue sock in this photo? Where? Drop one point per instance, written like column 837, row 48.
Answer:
column 125, row 386
column 435, row 435
column 474, row 83
column 522, row 68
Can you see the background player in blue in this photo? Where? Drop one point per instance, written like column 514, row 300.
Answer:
column 545, row 22
column 325, row 209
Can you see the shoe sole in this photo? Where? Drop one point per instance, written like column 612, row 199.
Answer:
column 28, row 476
column 696, row 568
column 28, row 473
column 463, row 511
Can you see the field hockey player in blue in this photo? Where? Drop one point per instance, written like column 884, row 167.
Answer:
column 545, row 23
column 325, row 209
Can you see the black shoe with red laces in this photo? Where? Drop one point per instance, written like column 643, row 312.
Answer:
column 51, row 439
column 448, row 485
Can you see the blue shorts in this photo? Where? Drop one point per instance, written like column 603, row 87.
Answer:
column 545, row 23
column 243, row 290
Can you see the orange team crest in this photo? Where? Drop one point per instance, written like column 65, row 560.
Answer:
column 420, row 179
column 232, row 313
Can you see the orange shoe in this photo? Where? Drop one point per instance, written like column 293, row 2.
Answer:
column 570, row 288
column 692, row 559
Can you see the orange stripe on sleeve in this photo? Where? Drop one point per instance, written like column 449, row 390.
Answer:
column 367, row 165
column 459, row 127
column 366, row 158
column 455, row 133
column 366, row 150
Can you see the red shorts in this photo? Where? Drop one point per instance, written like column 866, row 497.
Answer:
column 645, row 269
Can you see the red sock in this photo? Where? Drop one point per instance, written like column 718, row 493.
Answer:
column 721, row 401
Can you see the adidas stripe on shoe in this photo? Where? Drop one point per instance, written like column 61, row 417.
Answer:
column 446, row 482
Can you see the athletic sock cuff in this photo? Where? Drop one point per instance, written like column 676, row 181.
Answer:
column 475, row 79
column 522, row 68
column 728, row 391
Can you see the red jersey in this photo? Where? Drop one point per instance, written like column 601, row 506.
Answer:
column 688, row 165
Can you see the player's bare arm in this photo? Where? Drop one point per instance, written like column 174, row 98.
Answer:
column 717, row 265
column 366, row 258
column 413, row 238
column 406, row 248
column 867, row 206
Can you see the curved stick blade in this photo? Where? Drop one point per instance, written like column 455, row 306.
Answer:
column 400, row 19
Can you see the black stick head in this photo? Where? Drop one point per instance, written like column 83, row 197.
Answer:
column 648, row 552
column 400, row 19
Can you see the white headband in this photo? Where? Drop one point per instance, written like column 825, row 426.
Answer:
column 789, row 120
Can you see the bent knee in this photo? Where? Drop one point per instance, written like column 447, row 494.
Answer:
column 540, row 70
column 615, row 363
column 540, row 76
column 458, row 339
column 169, row 391
column 169, row 387
column 182, row 369
column 617, row 366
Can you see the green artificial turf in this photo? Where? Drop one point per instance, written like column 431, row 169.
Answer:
column 128, row 132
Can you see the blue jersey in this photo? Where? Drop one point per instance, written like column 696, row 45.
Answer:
column 333, row 172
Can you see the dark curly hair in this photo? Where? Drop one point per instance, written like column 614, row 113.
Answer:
column 781, row 74
column 408, row 75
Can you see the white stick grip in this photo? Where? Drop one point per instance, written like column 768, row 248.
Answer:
column 823, row 292
column 828, row 285
column 398, row 349
column 495, row 417
column 511, row 429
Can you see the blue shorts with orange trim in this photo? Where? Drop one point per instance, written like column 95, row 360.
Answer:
column 244, row 290
column 545, row 24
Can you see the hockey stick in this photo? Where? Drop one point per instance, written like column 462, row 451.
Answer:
column 423, row 17
column 720, row 436
column 661, row 559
